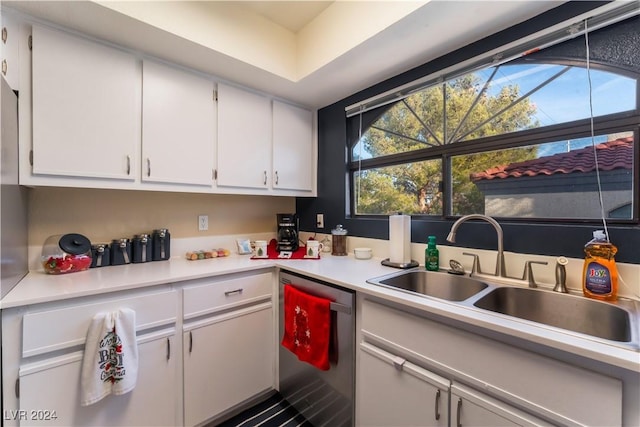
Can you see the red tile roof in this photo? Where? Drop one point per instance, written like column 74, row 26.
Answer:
column 616, row 154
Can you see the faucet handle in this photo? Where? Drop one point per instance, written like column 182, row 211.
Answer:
column 528, row 272
column 475, row 268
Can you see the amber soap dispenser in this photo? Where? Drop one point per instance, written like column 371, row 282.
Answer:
column 600, row 275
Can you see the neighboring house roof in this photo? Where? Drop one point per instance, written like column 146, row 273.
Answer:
column 616, row 154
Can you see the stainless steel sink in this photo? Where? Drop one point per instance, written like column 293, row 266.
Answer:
column 445, row 286
column 571, row 312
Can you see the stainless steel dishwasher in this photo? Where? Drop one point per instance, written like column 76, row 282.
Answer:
column 324, row 398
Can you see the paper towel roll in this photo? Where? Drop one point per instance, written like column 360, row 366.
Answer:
column 400, row 239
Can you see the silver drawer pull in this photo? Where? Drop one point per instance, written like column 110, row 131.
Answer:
column 398, row 363
column 235, row 291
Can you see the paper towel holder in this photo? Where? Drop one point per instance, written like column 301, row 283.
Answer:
column 403, row 265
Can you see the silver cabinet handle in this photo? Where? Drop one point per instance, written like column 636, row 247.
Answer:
column 235, row 291
column 128, row 165
column 191, row 342
column 148, row 166
column 277, row 178
column 4, row 67
column 458, row 411
column 398, row 363
column 168, row 348
column 437, row 405
column 264, row 181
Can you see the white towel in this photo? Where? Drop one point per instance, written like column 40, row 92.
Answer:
column 110, row 362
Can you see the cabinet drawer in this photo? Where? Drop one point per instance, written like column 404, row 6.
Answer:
column 51, row 330
column 538, row 384
column 225, row 294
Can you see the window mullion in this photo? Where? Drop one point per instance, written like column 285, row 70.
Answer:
column 424, row 125
column 447, row 186
column 475, row 102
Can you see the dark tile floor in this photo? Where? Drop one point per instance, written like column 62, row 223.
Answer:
column 274, row 411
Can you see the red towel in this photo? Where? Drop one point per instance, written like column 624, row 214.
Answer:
column 307, row 325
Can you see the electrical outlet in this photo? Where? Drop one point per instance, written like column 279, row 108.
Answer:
column 320, row 220
column 203, row 222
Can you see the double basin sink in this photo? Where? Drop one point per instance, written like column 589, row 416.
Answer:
column 616, row 323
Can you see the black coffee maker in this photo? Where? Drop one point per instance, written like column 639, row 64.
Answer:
column 287, row 232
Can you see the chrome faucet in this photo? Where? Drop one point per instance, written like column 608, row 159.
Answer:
column 500, row 268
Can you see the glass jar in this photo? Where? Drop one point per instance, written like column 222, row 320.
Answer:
column 339, row 241
column 66, row 253
column 326, row 244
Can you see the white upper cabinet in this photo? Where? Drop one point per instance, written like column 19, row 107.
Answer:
column 96, row 116
column 9, row 49
column 293, row 167
column 86, row 108
column 244, row 138
column 178, row 126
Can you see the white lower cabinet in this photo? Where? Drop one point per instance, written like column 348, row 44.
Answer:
column 223, row 356
column 404, row 359
column 42, row 375
column 50, row 390
column 228, row 346
column 472, row 408
column 395, row 392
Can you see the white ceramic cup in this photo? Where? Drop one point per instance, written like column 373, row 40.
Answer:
column 260, row 249
column 313, row 248
column 363, row 253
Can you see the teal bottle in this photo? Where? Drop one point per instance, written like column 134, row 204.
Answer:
column 432, row 255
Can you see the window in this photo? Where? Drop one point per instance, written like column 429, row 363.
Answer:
column 535, row 138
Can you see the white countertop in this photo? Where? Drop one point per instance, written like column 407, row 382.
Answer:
column 346, row 271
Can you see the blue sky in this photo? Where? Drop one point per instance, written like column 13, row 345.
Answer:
column 569, row 97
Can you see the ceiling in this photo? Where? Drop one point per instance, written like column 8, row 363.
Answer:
column 313, row 53
column 292, row 15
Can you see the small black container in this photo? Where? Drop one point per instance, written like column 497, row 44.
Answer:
column 100, row 255
column 161, row 244
column 120, row 251
column 142, row 248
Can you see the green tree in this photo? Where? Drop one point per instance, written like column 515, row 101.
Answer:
column 419, row 122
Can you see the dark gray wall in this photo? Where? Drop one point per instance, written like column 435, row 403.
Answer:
column 566, row 239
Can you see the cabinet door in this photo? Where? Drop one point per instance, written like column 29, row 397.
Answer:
column 472, row 408
column 228, row 359
column 244, row 138
column 9, row 49
column 52, row 387
column 86, row 108
column 293, row 166
column 178, row 126
column 394, row 392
